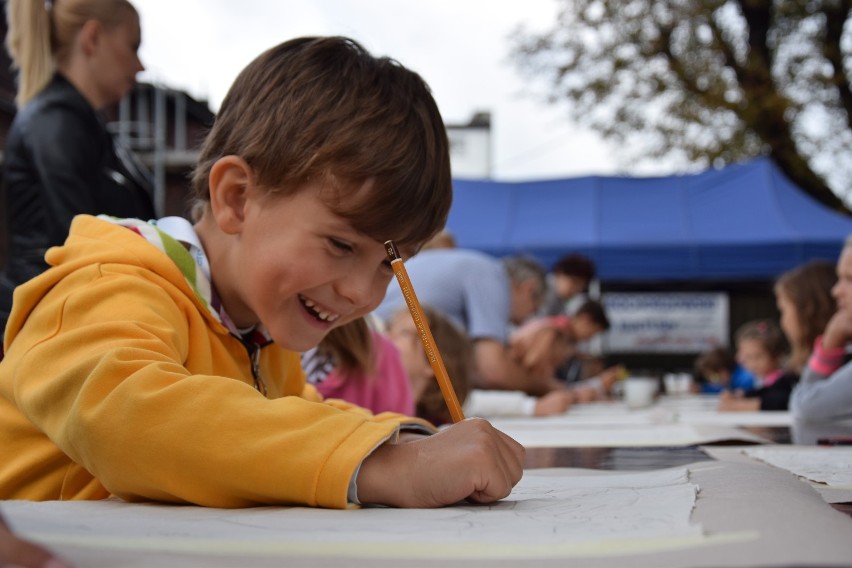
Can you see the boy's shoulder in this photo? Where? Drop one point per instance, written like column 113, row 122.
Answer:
column 107, row 241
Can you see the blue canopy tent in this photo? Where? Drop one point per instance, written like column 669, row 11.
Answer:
column 746, row 221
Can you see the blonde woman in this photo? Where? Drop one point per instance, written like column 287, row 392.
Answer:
column 74, row 58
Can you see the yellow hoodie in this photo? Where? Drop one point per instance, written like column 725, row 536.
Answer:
column 119, row 379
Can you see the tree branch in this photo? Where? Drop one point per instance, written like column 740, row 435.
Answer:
column 835, row 18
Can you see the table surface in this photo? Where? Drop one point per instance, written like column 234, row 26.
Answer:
column 639, row 459
column 757, row 503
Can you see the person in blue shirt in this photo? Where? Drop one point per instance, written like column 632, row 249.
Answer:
column 717, row 370
column 485, row 296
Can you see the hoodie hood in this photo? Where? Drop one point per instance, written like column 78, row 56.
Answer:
column 106, row 240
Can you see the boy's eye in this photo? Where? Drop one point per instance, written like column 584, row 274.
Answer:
column 341, row 245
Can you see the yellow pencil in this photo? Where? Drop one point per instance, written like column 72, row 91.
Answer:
column 424, row 333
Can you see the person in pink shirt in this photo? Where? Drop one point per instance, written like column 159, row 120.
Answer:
column 362, row 366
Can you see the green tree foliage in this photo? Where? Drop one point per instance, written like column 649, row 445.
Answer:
column 708, row 82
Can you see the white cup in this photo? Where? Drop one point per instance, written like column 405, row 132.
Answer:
column 639, row 391
column 677, row 383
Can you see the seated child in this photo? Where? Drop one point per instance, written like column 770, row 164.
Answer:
column 361, row 366
column 544, row 344
column 456, row 352
column 160, row 361
column 567, row 284
column 761, row 348
column 717, row 370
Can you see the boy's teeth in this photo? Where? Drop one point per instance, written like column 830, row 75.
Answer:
column 325, row 316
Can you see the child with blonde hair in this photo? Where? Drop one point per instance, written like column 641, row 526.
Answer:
column 362, row 366
column 456, row 351
column 761, row 350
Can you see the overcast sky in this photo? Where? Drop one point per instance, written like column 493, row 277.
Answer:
column 460, row 47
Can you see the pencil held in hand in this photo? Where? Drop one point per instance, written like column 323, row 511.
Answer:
column 424, row 333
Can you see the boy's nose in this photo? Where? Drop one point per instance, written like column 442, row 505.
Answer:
column 357, row 287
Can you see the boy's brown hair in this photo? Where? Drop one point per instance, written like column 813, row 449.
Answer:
column 322, row 109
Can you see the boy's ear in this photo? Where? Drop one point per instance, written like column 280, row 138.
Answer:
column 229, row 182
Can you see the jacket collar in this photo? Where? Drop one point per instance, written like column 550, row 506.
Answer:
column 177, row 239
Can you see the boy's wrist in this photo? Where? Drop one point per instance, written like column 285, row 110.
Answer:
column 377, row 482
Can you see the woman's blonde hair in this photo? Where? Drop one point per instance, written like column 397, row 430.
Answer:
column 41, row 34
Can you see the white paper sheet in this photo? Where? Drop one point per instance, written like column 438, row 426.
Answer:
column 689, row 409
column 560, row 433
column 830, row 466
column 749, row 514
column 547, row 515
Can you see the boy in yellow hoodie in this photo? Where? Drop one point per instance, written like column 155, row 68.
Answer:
column 159, row 360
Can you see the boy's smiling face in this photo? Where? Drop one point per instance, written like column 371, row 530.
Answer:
column 295, row 266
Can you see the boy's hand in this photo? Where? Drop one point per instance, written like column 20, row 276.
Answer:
column 470, row 460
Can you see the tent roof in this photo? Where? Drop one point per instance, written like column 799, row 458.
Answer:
column 746, row 221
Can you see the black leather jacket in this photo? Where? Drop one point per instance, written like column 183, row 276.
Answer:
column 60, row 161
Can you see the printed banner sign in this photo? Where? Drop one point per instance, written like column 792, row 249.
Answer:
column 665, row 322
